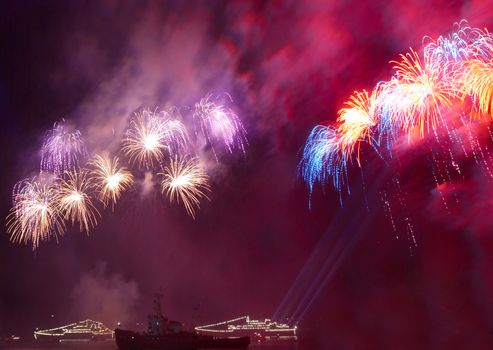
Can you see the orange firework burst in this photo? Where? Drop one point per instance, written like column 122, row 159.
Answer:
column 74, row 201
column 355, row 121
column 110, row 179
column 477, row 80
column 185, row 181
column 422, row 94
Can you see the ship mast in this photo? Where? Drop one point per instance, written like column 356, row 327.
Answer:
column 157, row 304
column 157, row 323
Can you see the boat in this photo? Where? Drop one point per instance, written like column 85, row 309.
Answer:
column 245, row 326
column 87, row 330
column 165, row 334
column 9, row 340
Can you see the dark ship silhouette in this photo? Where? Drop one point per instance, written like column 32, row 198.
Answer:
column 165, row 334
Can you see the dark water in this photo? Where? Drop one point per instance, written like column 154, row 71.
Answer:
column 264, row 345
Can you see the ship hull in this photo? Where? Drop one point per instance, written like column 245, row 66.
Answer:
column 71, row 337
column 130, row 340
column 262, row 333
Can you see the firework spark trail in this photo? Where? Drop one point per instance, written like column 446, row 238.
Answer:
column 462, row 143
column 175, row 136
column 490, row 133
column 489, row 161
column 62, row 148
column 407, row 219
column 74, row 202
column 321, row 158
column 438, row 183
column 110, row 179
column 185, row 181
column 452, row 135
column 484, row 158
column 449, row 163
column 477, row 82
column 417, row 100
column 476, row 149
column 219, row 124
column 472, row 143
column 448, row 53
column 454, row 48
column 388, row 212
column 34, row 216
column 422, row 94
column 355, row 122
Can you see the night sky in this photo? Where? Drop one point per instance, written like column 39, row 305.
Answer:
column 288, row 66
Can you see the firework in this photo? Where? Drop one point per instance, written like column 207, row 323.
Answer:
column 62, row 148
column 74, row 201
column 478, row 84
column 175, row 135
column 219, row 124
column 185, row 181
column 462, row 44
column 356, row 120
column 34, row 216
column 174, row 132
column 150, row 135
column 110, row 179
column 322, row 158
column 418, row 100
column 143, row 142
column 422, row 95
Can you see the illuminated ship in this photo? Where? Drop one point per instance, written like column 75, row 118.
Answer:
column 244, row 326
column 165, row 334
column 81, row 331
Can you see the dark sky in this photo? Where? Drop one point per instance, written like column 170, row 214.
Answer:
column 288, row 66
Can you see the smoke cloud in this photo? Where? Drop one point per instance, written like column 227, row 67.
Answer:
column 105, row 297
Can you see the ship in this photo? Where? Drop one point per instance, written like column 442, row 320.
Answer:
column 244, row 326
column 165, row 334
column 87, row 330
